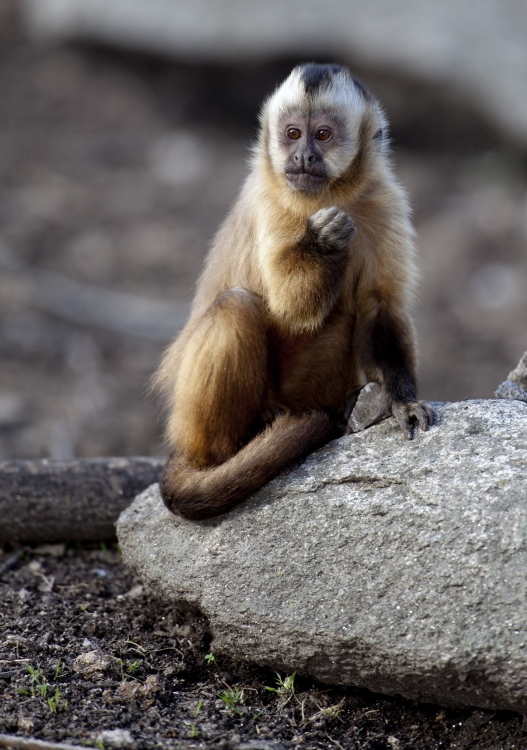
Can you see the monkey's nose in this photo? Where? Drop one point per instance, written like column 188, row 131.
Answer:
column 304, row 158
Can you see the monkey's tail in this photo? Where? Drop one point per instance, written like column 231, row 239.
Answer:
column 198, row 494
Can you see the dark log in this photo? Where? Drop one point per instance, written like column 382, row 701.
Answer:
column 77, row 500
column 28, row 743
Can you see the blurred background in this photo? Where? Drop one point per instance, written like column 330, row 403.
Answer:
column 124, row 136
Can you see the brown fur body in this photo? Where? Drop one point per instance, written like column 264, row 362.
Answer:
column 288, row 321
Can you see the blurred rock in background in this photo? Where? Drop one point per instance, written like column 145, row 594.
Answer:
column 118, row 164
column 480, row 49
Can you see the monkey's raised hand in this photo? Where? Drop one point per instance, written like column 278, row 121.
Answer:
column 331, row 229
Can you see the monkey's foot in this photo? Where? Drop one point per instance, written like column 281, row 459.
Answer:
column 407, row 414
column 333, row 228
column 410, row 414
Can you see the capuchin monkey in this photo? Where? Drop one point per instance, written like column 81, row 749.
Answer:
column 305, row 295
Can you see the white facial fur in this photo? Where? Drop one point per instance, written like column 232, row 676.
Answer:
column 341, row 101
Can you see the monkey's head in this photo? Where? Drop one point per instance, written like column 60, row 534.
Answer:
column 318, row 125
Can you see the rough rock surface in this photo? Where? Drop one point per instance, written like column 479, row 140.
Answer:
column 392, row 565
column 511, row 390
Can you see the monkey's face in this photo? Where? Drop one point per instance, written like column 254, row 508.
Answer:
column 315, row 124
column 314, row 148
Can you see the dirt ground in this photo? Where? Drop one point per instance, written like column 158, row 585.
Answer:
column 84, row 649
column 116, row 170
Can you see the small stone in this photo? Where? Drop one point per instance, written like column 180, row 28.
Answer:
column 115, row 738
column 25, row 724
column 511, row 390
column 131, row 690
column 92, row 664
column 184, row 631
column 135, row 592
column 99, row 572
column 366, row 409
column 44, row 640
column 47, row 584
column 87, row 644
column 173, row 669
column 24, row 595
column 152, row 681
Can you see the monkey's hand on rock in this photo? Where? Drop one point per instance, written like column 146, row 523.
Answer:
column 407, row 415
column 411, row 413
column 331, row 228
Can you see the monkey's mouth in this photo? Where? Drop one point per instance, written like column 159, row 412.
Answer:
column 307, row 181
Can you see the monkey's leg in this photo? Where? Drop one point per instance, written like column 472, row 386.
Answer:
column 221, row 381
column 221, row 390
column 385, row 344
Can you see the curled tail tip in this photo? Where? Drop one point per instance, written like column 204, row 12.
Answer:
column 199, row 494
column 180, row 506
column 176, row 499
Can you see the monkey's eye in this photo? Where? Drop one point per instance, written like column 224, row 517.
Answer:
column 293, row 133
column 323, row 135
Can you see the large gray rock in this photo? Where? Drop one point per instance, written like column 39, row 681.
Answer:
column 396, row 566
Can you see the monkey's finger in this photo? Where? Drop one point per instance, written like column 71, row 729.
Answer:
column 339, row 223
column 429, row 413
column 347, row 232
column 423, row 414
column 403, row 420
column 407, row 427
column 422, row 419
column 323, row 217
column 338, row 236
column 342, row 224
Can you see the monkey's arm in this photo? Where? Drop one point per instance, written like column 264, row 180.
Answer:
column 386, row 350
column 304, row 280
